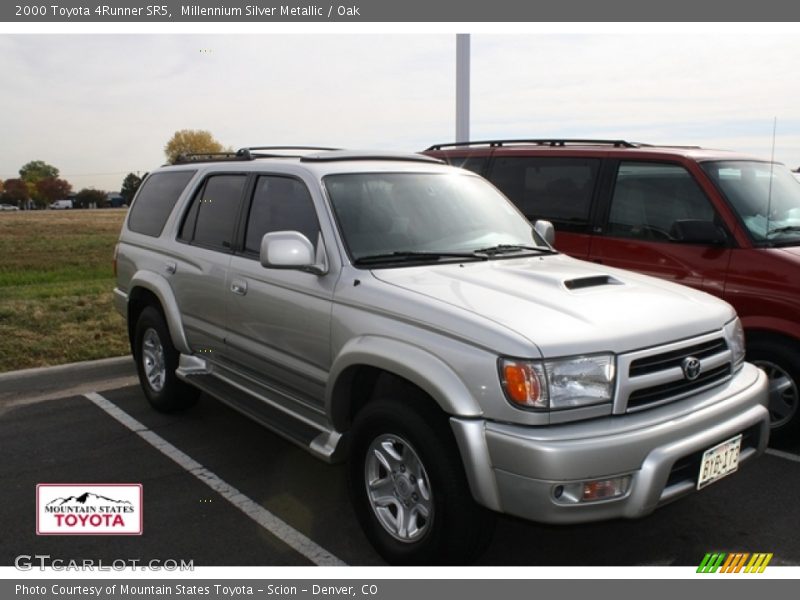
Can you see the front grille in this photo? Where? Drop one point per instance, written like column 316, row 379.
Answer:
column 658, row 393
column 656, row 376
column 667, row 360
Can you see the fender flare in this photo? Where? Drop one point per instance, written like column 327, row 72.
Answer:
column 789, row 330
column 412, row 363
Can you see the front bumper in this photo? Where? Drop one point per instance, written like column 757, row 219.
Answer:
column 517, row 469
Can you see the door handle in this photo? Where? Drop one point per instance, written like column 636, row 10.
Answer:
column 239, row 287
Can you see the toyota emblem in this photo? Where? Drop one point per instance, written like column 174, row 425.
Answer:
column 691, row 368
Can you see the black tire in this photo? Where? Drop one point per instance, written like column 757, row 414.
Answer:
column 456, row 529
column 166, row 393
column 781, row 362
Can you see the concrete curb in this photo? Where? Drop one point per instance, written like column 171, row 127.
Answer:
column 41, row 379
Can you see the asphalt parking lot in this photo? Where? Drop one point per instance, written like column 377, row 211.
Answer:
column 259, row 500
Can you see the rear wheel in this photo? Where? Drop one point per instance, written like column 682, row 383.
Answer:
column 409, row 489
column 781, row 363
column 156, row 361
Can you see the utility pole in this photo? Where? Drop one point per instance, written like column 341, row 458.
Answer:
column 462, row 87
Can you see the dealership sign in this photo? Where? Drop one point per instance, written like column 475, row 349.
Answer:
column 89, row 509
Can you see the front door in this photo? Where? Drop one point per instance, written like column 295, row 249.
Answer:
column 643, row 230
column 279, row 319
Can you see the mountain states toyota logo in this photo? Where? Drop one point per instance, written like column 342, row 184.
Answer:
column 89, row 509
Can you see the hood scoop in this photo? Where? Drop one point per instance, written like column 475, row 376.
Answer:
column 589, row 282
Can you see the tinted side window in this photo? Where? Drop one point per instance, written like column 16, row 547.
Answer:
column 212, row 217
column 650, row 198
column 557, row 189
column 155, row 201
column 280, row 204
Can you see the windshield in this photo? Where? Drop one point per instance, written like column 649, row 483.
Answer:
column 765, row 195
column 435, row 215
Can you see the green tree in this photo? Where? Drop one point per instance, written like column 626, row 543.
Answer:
column 130, row 184
column 192, row 141
column 51, row 189
column 89, row 197
column 36, row 170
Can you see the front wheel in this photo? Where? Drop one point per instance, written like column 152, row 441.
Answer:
column 409, row 489
column 781, row 363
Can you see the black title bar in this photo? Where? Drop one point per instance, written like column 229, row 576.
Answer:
column 356, row 11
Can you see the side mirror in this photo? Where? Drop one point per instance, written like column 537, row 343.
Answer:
column 546, row 230
column 291, row 250
column 694, row 231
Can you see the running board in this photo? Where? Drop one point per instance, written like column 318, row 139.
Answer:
column 322, row 443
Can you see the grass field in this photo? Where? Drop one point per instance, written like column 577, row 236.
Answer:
column 56, row 279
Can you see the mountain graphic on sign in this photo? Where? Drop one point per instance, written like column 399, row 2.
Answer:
column 86, row 499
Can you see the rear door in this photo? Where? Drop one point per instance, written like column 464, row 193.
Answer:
column 200, row 274
column 639, row 231
column 559, row 189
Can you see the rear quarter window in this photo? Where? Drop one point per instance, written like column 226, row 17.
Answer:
column 155, row 201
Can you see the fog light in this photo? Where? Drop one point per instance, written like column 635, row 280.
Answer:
column 603, row 489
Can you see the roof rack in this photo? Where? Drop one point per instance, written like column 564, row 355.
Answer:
column 304, row 153
column 249, row 153
column 367, row 155
column 252, row 152
column 206, row 157
column 537, row 142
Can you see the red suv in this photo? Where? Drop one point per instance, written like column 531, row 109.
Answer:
column 721, row 222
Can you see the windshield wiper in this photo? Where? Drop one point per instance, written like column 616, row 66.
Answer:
column 390, row 257
column 786, row 229
column 509, row 248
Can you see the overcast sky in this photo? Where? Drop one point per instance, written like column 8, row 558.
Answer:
column 100, row 106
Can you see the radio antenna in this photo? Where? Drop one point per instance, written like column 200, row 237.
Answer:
column 771, row 170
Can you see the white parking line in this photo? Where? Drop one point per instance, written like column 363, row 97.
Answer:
column 782, row 454
column 280, row 529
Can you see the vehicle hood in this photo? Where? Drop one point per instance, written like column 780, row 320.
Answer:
column 566, row 306
column 793, row 250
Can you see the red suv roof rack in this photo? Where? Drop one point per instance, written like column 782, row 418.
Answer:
column 537, row 142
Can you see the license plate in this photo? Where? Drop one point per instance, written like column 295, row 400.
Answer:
column 719, row 461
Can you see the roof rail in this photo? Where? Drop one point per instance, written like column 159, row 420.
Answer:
column 278, row 151
column 206, row 157
column 367, row 155
column 536, row 142
column 248, row 153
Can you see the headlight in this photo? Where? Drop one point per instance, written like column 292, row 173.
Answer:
column 734, row 333
column 558, row 384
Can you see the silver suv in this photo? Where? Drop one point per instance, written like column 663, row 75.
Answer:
column 403, row 315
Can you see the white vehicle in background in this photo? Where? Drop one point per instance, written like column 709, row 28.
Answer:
column 8, row 207
column 61, row 204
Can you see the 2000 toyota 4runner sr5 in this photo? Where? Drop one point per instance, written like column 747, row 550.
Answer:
column 403, row 315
